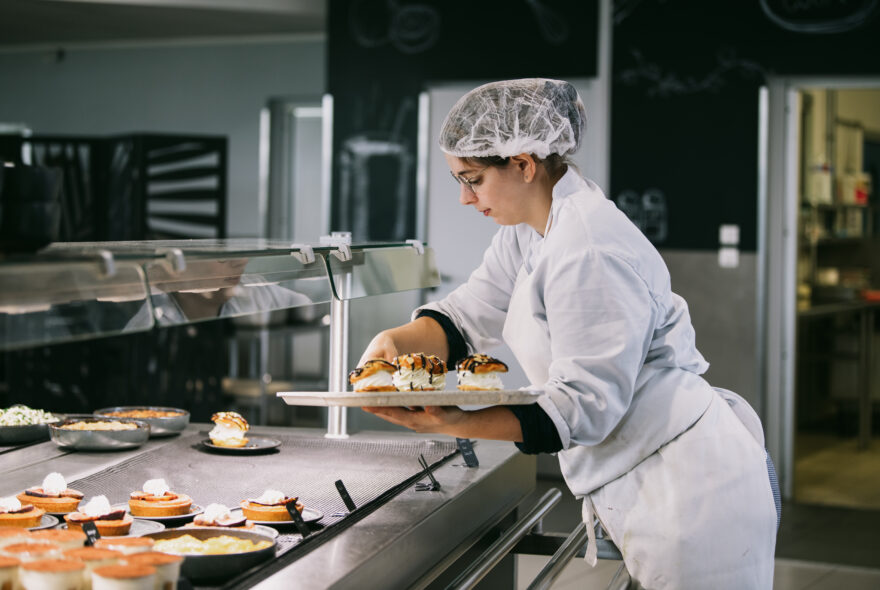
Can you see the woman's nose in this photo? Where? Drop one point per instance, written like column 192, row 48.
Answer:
column 466, row 196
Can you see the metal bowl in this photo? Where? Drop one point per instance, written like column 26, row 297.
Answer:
column 13, row 435
column 99, row 440
column 165, row 426
column 204, row 569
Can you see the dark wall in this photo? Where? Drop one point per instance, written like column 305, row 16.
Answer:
column 381, row 54
column 685, row 82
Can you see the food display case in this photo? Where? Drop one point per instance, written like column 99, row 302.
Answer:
column 391, row 532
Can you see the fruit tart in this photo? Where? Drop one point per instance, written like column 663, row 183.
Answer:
column 52, row 496
column 270, row 506
column 157, row 499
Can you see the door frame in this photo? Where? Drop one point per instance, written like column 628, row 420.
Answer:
column 779, row 137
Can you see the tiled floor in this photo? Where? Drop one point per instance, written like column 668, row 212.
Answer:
column 789, row 575
column 818, row 548
column 831, row 470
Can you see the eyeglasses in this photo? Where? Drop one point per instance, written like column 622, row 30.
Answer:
column 468, row 182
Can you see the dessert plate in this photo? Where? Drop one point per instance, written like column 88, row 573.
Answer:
column 169, row 520
column 47, row 521
column 256, row 444
column 138, row 527
column 411, row 398
column 308, row 514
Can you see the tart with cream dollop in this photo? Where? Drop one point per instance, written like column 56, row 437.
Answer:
column 52, row 496
column 270, row 506
column 157, row 499
column 109, row 521
column 218, row 515
column 15, row 513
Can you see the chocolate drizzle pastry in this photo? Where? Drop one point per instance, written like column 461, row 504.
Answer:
column 481, row 363
column 371, row 367
column 420, row 372
column 373, row 375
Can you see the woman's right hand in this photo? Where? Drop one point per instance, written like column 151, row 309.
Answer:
column 382, row 346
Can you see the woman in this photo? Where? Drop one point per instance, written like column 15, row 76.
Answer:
column 674, row 469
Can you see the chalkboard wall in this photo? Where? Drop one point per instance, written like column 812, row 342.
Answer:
column 686, row 75
column 382, row 53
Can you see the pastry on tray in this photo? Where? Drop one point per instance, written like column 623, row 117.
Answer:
column 229, row 430
column 52, row 496
column 66, row 539
column 373, row 375
column 271, row 506
column 109, row 521
column 419, row 372
column 218, row 515
column 14, row 512
column 480, row 372
column 157, row 499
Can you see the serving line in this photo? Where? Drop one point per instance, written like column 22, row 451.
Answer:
column 411, row 538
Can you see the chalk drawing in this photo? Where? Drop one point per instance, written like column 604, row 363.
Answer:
column 662, row 84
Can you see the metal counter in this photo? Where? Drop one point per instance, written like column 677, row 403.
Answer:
column 414, row 539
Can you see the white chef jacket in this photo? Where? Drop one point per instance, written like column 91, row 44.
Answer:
column 596, row 326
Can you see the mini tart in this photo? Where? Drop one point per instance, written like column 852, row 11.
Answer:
column 67, row 539
column 233, row 523
column 65, row 502
column 268, row 512
column 368, row 369
column 481, row 363
column 171, row 504
column 116, row 526
column 29, row 516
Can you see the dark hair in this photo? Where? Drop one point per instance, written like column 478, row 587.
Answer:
column 554, row 163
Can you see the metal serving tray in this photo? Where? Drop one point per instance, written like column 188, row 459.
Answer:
column 411, row 398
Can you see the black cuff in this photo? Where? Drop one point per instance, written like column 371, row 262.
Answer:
column 539, row 432
column 457, row 346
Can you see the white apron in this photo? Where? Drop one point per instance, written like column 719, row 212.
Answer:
column 697, row 513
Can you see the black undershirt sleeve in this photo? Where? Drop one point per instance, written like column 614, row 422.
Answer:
column 539, row 432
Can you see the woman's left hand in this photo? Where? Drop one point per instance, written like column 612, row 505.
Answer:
column 437, row 419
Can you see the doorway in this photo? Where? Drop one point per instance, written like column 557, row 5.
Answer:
column 822, row 281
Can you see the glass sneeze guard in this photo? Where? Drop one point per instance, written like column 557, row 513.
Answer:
column 78, row 290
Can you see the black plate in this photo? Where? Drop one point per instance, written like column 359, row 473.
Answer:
column 308, row 514
column 168, row 520
column 256, row 444
column 47, row 521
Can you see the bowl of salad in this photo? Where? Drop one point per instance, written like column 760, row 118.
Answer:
column 21, row 424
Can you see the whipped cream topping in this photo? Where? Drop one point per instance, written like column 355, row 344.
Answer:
column 378, row 379
column 97, row 506
column 156, row 487
column 216, row 513
column 480, row 380
column 270, row 497
column 225, row 433
column 9, row 504
column 416, row 380
column 54, row 484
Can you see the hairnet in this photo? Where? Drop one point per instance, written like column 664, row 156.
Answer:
column 530, row 116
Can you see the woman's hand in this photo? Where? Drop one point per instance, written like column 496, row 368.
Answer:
column 436, row 419
column 382, row 346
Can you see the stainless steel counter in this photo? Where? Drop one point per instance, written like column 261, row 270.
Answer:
column 412, row 540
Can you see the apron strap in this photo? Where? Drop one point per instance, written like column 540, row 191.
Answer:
column 589, row 518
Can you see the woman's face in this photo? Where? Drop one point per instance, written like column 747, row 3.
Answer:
column 498, row 191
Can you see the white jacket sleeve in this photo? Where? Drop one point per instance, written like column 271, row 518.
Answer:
column 600, row 316
column 478, row 308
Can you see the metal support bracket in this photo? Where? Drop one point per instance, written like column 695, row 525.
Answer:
column 305, row 253
column 418, row 245
column 342, row 241
column 176, row 258
column 108, row 262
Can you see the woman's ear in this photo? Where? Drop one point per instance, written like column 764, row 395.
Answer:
column 527, row 166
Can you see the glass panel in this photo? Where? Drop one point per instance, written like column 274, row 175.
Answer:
column 49, row 303
column 233, row 286
column 383, row 270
